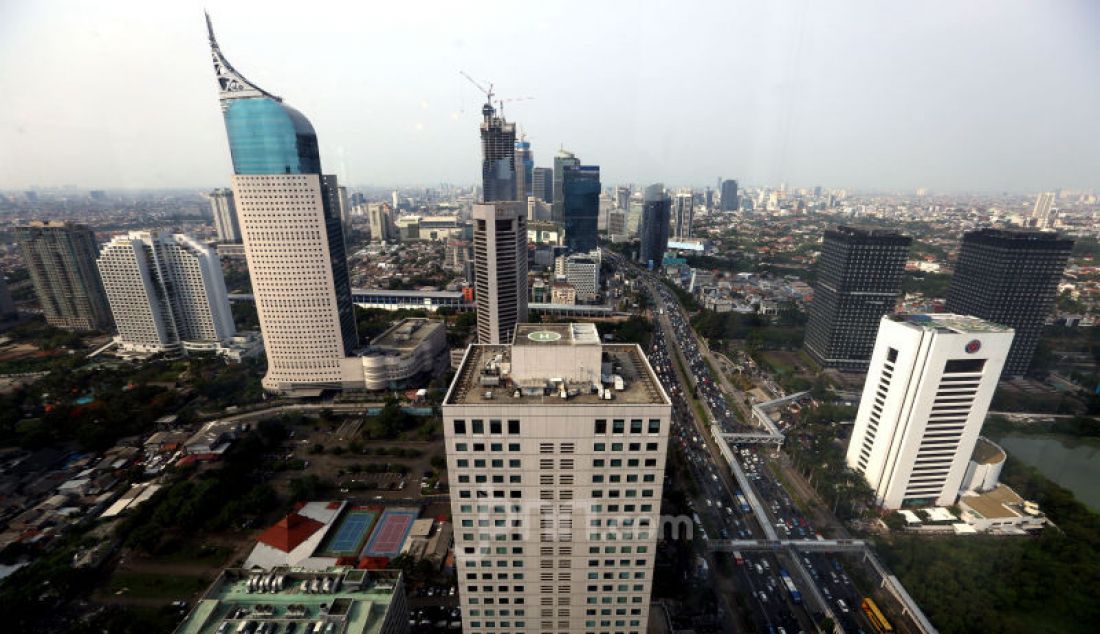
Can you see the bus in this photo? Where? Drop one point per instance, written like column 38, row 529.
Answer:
column 742, row 503
column 875, row 617
column 796, row 596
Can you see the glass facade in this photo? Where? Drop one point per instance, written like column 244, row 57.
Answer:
column 581, row 206
column 267, row 137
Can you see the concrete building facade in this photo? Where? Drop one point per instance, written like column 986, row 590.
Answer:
column 60, row 257
column 556, row 448
column 224, row 208
column 500, row 269
column 927, row 393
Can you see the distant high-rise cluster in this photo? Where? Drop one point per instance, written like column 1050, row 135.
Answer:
column 167, row 293
column 1010, row 278
column 60, row 257
column 654, row 226
column 289, row 216
column 859, row 278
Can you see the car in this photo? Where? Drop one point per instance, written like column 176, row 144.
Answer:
column 842, row 605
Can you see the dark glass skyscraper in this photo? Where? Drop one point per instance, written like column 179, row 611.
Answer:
column 654, row 226
column 858, row 281
column 581, row 206
column 561, row 161
column 728, row 195
column 289, row 216
column 1010, row 278
column 498, row 156
column 525, row 169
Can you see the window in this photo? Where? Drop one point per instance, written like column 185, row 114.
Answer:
column 478, row 426
column 513, row 427
column 460, row 426
column 601, row 426
column 462, row 463
column 636, row 426
column 495, row 427
column 599, row 447
column 956, row 366
column 617, row 426
column 654, row 426
column 460, row 446
column 496, row 446
column 513, row 446
column 651, row 446
column 616, row 446
column 891, row 355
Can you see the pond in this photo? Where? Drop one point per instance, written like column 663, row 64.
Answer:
column 1071, row 461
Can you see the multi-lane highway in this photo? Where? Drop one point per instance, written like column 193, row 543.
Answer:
column 773, row 583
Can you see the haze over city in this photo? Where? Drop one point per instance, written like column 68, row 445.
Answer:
column 981, row 96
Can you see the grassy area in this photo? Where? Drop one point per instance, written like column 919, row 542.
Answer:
column 198, row 554
column 154, row 586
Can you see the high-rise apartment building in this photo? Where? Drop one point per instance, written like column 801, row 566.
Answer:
column 290, row 224
column 60, row 257
column 1043, row 211
column 859, row 277
column 622, row 198
column 525, row 169
column 616, row 223
column 927, row 392
column 728, row 195
column 1010, row 278
column 225, row 215
column 167, row 293
column 556, row 453
column 542, row 184
column 382, row 227
column 498, row 157
column 500, row 269
column 654, row 226
column 683, row 211
column 564, row 159
column 581, row 206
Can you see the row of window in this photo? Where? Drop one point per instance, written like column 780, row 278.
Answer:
column 618, row 426
column 480, row 446
column 618, row 446
column 477, row 426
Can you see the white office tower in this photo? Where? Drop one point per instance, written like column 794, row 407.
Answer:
column 582, row 272
column 556, row 456
column 924, row 401
column 225, row 215
column 500, row 269
column 166, row 292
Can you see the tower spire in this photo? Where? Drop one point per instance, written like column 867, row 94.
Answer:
column 231, row 84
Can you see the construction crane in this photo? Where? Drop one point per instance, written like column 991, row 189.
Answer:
column 488, row 93
column 501, row 102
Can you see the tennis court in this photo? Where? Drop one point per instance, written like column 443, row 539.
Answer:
column 349, row 535
column 393, row 527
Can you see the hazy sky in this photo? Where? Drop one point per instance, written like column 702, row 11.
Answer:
column 978, row 95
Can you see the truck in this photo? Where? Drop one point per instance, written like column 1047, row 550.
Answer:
column 738, row 558
column 796, row 596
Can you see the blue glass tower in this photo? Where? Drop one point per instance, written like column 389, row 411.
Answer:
column 581, row 206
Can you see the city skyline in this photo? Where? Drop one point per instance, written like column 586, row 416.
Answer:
column 854, row 97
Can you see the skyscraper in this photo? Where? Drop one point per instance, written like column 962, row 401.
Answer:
column 581, row 206
column 858, row 280
column 525, row 169
column 382, row 227
column 1010, row 278
column 1042, row 211
column 926, row 396
column 167, row 293
column 622, row 198
column 654, row 226
column 683, row 211
column 728, row 195
column 498, row 156
column 542, row 184
column 552, row 461
column 290, row 223
column 500, row 269
column 564, row 159
column 225, row 215
column 60, row 257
